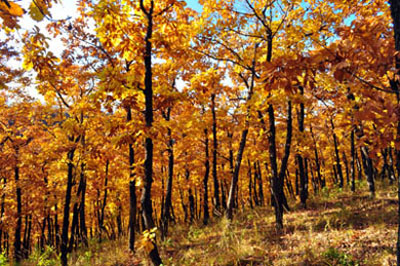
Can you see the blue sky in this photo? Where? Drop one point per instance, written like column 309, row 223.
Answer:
column 194, row 4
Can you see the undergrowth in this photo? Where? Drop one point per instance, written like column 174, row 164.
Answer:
column 337, row 228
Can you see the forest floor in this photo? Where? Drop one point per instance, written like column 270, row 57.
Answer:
column 337, row 228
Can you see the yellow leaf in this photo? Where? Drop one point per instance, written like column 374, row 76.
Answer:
column 35, row 12
column 27, row 65
column 13, row 8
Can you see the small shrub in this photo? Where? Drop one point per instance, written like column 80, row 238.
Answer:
column 337, row 257
column 3, row 259
column 46, row 258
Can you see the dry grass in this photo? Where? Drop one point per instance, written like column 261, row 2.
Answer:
column 337, row 228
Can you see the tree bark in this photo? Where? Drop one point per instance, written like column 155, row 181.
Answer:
column 277, row 181
column 395, row 12
column 146, row 201
column 65, row 227
column 338, row 165
column 299, row 157
column 132, row 191
column 166, row 216
column 205, row 180
column 352, row 162
column 235, row 177
column 215, row 150
column 17, row 237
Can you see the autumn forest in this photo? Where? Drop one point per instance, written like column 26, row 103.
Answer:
column 164, row 127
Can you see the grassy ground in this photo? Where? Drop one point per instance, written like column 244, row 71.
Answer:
column 337, row 228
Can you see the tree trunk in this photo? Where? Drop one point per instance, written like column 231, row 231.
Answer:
column 346, row 166
column 17, row 237
column 148, row 115
column 215, row 150
column 249, row 175
column 65, row 227
column 205, row 180
column 103, row 205
column 166, row 216
column 260, row 184
column 277, row 181
column 3, row 201
column 132, row 191
column 368, row 169
column 235, row 177
column 299, row 157
column 317, row 162
column 338, row 165
column 395, row 12
column 82, row 221
column 352, row 162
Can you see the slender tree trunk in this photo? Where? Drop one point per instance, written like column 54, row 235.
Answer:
column 148, row 115
column 17, row 237
column 65, row 227
column 368, row 169
column 277, row 181
column 352, row 162
column 166, row 216
column 300, row 159
column 103, row 205
column 395, row 12
column 3, row 201
column 82, row 221
column 249, row 175
column 338, row 165
column 132, row 190
column 260, row 184
column 215, row 150
column 346, row 166
column 256, row 196
column 235, row 177
column 317, row 162
column 205, row 180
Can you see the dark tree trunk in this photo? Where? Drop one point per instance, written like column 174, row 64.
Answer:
column 289, row 185
column 166, row 215
column 3, row 201
column 277, row 181
column 17, row 237
column 260, row 184
column 205, row 180
column 317, row 162
column 299, row 157
column 148, row 115
column 57, row 228
column 256, row 201
column 27, row 236
column 82, row 221
column 103, row 205
column 338, row 165
column 352, row 162
column 65, row 227
column 132, row 191
column 250, row 183
column 235, row 177
column 395, row 12
column 215, row 150
column 368, row 169
column 302, row 179
column 346, row 166
column 223, row 196
column 132, row 195
column 132, row 215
